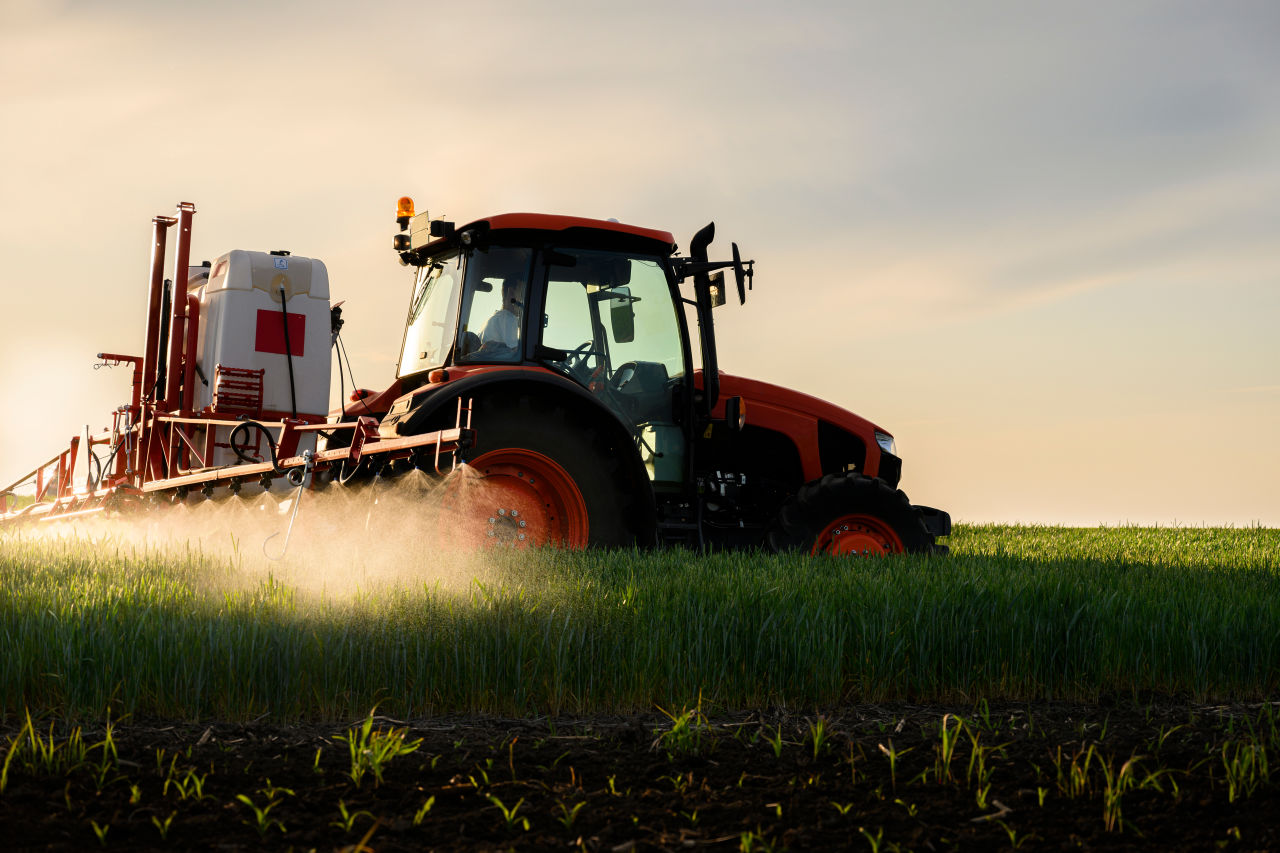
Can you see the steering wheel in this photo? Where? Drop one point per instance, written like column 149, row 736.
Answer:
column 576, row 361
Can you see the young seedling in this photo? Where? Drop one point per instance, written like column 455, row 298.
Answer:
column 163, row 825
column 509, row 814
column 1116, row 783
column 873, row 840
column 372, row 750
column 109, row 756
column 980, row 796
column 348, row 818
column 546, row 768
column 755, row 842
column 679, row 782
column 270, row 791
column 568, row 815
column 688, row 734
column 1015, row 842
column 422, row 812
column 949, row 736
column 262, row 821
column 192, row 785
column 852, row 761
column 775, row 741
column 1073, row 778
column 893, row 754
column 818, row 735
column 483, row 781
column 1246, row 768
column 39, row 755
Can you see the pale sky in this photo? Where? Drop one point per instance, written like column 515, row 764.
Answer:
column 1035, row 241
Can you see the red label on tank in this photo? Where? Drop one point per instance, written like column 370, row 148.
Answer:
column 270, row 335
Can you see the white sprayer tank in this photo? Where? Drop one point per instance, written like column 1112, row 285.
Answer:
column 242, row 326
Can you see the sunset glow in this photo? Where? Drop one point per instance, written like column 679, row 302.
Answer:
column 1035, row 243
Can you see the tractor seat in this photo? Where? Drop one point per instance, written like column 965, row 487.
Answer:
column 642, row 386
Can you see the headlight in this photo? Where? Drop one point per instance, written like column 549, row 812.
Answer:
column 886, row 442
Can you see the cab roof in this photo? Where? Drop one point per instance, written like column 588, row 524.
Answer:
column 570, row 228
column 555, row 222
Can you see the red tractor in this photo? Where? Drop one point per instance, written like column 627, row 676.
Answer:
column 597, row 421
column 551, row 353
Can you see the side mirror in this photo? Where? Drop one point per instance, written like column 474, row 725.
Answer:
column 622, row 317
column 740, row 275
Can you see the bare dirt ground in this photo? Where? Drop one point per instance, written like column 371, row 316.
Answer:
column 1038, row 777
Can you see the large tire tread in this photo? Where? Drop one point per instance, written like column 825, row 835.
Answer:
column 819, row 502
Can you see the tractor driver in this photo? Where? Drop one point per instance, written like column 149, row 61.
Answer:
column 501, row 334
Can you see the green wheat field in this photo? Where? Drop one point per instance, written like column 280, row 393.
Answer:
column 1014, row 613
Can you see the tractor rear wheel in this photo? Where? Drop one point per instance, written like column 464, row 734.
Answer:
column 537, row 477
column 849, row 515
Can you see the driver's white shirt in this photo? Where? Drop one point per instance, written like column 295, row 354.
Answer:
column 502, row 328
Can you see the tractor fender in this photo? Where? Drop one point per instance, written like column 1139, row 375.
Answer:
column 435, row 406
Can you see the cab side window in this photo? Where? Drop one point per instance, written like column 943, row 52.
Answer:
column 493, row 305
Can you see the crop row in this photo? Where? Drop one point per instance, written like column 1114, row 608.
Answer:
column 988, row 779
column 1013, row 613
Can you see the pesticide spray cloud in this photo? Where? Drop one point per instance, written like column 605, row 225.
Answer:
column 412, row 531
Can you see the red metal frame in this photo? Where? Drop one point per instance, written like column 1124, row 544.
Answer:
column 162, row 445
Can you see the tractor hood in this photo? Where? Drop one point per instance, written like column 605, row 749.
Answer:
column 799, row 416
column 753, row 391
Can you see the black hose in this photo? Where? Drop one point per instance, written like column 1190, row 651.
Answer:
column 94, row 480
column 342, row 352
column 288, row 352
column 237, row 446
column 295, row 476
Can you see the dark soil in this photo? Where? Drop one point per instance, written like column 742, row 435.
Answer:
column 644, row 783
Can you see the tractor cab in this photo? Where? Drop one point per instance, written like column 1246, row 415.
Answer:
column 591, row 301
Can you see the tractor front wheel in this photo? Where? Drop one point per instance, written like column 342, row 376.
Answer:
column 849, row 515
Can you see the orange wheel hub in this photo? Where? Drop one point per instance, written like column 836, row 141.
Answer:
column 858, row 536
column 522, row 498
